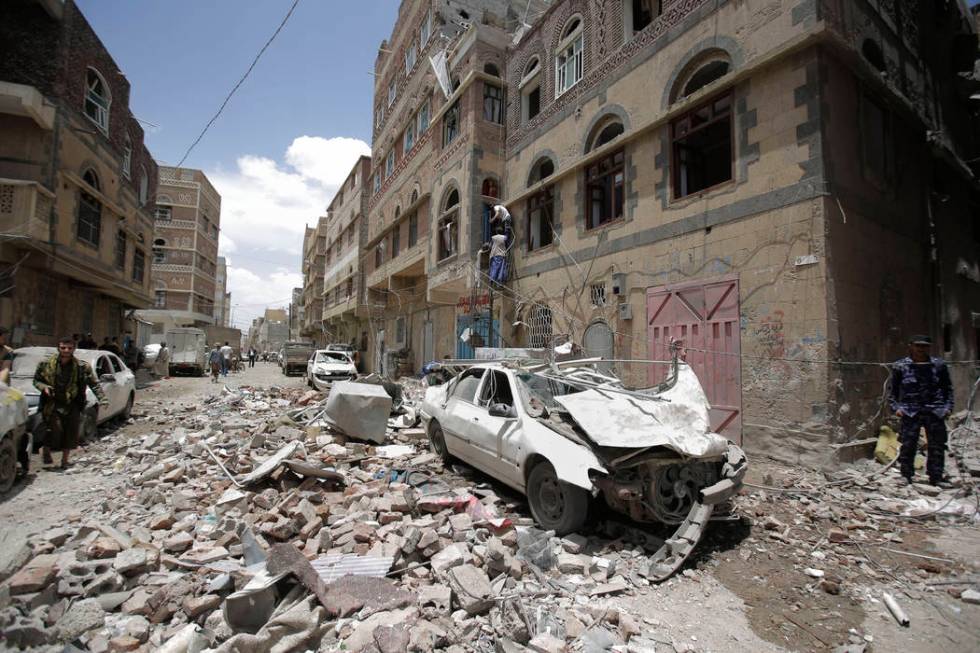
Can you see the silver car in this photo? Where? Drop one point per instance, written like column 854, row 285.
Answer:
column 326, row 366
column 117, row 381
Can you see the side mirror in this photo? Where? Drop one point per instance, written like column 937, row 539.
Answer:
column 502, row 410
column 107, row 378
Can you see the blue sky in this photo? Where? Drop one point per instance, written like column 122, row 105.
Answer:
column 287, row 138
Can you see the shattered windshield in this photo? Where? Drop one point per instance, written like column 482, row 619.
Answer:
column 331, row 357
column 536, row 389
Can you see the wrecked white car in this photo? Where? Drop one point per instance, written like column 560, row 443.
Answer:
column 564, row 435
column 326, row 366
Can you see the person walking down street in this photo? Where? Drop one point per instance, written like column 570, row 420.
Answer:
column 62, row 380
column 225, row 358
column 251, row 356
column 161, row 367
column 6, row 356
column 215, row 362
column 922, row 396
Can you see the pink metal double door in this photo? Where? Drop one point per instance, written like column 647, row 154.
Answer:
column 705, row 316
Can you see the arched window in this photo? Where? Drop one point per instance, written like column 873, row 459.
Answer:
column 448, row 237
column 569, row 57
column 709, row 67
column 159, row 242
column 530, row 87
column 491, row 69
column 542, row 169
column 127, row 160
column 415, row 196
column 97, row 99
column 872, row 53
column 490, row 188
column 144, row 186
column 604, row 132
column 89, row 211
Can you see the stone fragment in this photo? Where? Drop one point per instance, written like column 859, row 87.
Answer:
column 161, row 522
column 453, row 555
column 628, row 626
column 123, row 643
column 80, row 618
column 438, row 597
column 546, row 643
column 14, row 552
column 471, row 587
column 195, row 606
column 177, row 543
column 56, row 536
column 103, row 547
column 837, row 536
column 392, row 639
column 32, row 578
column 574, row 543
column 131, row 561
column 24, row 632
column 571, row 563
column 204, row 555
column 970, row 596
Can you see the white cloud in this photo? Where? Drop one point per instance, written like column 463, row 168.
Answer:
column 326, row 160
column 252, row 293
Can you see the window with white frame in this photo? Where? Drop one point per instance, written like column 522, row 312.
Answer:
column 530, row 86
column 97, row 99
column 409, row 137
column 377, row 181
column 379, row 116
column 164, row 213
column 127, row 160
column 411, row 54
column 426, row 30
column 449, row 226
column 569, row 64
column 423, row 117
column 390, row 163
column 392, row 92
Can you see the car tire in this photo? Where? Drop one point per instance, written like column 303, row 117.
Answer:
column 128, row 410
column 556, row 505
column 8, row 463
column 437, row 440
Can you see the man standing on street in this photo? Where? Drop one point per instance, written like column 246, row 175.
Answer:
column 225, row 358
column 922, row 396
column 161, row 367
column 215, row 363
column 62, row 380
column 252, row 354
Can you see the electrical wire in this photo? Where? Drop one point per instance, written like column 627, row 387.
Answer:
column 237, row 85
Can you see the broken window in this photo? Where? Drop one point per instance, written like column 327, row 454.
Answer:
column 413, row 229
column 89, row 212
column 97, row 99
column 540, row 218
column 496, row 389
column 449, row 227
column 702, row 147
column 569, row 63
column 531, row 90
column 604, row 181
column 539, row 326
column 640, row 13
column 466, row 385
column 876, row 150
column 139, row 265
column 450, row 124
column 120, row 258
column 493, row 104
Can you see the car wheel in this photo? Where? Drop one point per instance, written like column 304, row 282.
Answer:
column 438, row 442
column 128, row 410
column 556, row 505
column 90, row 424
column 8, row 464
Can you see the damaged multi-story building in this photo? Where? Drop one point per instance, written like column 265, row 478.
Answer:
column 77, row 184
column 789, row 188
column 345, row 308
column 438, row 165
column 314, row 256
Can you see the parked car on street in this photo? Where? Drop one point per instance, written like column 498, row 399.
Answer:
column 564, row 435
column 118, row 384
column 340, row 346
column 15, row 439
column 188, row 350
column 326, row 366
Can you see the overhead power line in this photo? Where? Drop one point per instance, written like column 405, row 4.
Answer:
column 240, row 82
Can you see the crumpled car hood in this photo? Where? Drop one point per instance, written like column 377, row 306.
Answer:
column 679, row 422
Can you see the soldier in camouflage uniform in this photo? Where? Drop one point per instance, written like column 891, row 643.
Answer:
column 922, row 396
column 62, row 380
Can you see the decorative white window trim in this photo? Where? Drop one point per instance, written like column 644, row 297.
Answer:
column 98, row 100
column 570, row 59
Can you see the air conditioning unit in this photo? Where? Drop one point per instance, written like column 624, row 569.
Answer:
column 625, row 311
column 619, row 283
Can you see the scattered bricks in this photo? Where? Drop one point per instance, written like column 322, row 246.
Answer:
column 131, row 561
column 123, row 643
column 471, row 587
column 136, row 604
column 461, row 524
column 438, row 597
column 453, row 555
column 311, row 527
column 364, row 532
column 32, row 578
column 547, row 643
column 837, row 536
column 509, row 538
column 286, row 558
column 429, row 537
column 411, row 540
column 194, row 606
column 204, row 555
column 570, row 563
column 389, row 517
column 80, row 618
column 282, row 529
column 574, row 543
column 177, row 543
column 350, row 594
column 307, row 510
column 161, row 522
column 392, row 639
column 324, row 539
column 103, row 547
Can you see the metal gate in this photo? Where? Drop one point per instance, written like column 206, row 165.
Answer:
column 705, row 316
column 598, row 341
column 481, row 333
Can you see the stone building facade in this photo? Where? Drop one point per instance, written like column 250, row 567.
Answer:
column 222, row 298
column 314, row 265
column 783, row 187
column 185, row 250
column 77, row 184
column 345, row 306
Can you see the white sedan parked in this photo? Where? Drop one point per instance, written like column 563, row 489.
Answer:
column 326, row 366
column 117, row 381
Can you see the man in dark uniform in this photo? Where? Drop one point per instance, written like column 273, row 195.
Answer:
column 922, row 396
column 62, row 380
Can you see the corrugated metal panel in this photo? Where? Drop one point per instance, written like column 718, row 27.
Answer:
column 332, row 567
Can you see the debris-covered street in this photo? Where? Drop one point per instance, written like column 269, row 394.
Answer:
column 233, row 517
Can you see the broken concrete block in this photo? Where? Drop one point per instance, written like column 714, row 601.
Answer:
column 177, row 543
column 426, row 636
column 471, row 587
column 195, row 606
column 438, row 597
column 131, row 561
column 970, row 596
column 14, row 552
column 161, row 522
column 571, row 563
column 453, row 555
column 80, row 618
column 32, row 578
column 103, row 547
column 546, row 643
column 574, row 543
column 204, row 555
column 392, row 639
column 123, row 643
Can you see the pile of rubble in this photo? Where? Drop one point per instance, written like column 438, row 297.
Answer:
column 252, row 523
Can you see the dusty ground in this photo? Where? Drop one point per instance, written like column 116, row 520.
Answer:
column 743, row 590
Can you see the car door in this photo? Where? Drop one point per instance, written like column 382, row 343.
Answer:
column 489, row 432
column 125, row 380
column 107, row 379
column 457, row 417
